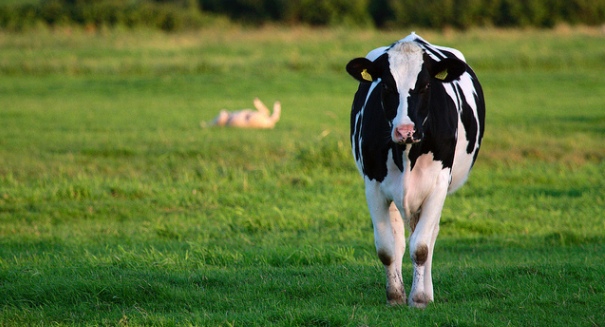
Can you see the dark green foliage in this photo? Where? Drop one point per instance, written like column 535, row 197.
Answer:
column 250, row 11
column 335, row 12
column 503, row 13
column 191, row 14
column 167, row 16
column 312, row 12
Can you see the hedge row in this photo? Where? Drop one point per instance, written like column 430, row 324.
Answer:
column 170, row 15
column 501, row 13
column 312, row 12
column 403, row 13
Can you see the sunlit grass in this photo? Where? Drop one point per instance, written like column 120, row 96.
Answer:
column 270, row 50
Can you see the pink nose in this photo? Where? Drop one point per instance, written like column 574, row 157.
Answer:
column 405, row 133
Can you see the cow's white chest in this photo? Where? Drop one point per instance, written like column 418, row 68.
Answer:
column 421, row 182
column 410, row 188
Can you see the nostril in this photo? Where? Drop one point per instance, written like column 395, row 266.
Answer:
column 406, row 130
column 405, row 133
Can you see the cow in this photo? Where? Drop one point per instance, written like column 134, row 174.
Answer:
column 417, row 122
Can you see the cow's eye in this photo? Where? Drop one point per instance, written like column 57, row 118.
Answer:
column 422, row 89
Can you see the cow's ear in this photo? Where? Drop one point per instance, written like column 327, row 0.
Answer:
column 362, row 69
column 447, row 69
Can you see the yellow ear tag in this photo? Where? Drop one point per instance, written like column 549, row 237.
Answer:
column 365, row 75
column 442, row 75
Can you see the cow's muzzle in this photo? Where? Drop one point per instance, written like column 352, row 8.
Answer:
column 405, row 134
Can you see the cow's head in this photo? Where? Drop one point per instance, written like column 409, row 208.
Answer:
column 405, row 75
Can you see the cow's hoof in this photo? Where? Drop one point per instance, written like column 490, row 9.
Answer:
column 395, row 299
column 419, row 301
column 395, row 303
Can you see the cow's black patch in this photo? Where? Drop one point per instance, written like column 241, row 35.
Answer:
column 358, row 103
column 371, row 132
column 439, row 129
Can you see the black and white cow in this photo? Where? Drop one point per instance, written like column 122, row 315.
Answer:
column 416, row 126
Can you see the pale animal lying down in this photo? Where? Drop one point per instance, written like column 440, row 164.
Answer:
column 248, row 118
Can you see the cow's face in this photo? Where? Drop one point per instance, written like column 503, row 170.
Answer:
column 405, row 74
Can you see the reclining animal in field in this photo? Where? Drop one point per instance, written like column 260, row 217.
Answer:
column 248, row 118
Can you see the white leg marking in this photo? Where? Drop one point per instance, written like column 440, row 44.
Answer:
column 422, row 242
column 389, row 239
column 428, row 278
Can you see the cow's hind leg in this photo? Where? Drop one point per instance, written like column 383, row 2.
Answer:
column 389, row 239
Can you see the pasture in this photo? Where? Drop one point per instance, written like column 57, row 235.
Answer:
column 118, row 209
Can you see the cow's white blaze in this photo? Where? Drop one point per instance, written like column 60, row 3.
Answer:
column 405, row 63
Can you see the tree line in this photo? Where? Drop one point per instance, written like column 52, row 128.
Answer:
column 173, row 15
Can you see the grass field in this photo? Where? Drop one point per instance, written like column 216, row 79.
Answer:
column 118, row 209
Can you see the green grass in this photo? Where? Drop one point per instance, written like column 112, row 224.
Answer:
column 116, row 208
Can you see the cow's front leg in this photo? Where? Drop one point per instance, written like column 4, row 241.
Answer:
column 389, row 239
column 392, row 263
column 422, row 244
